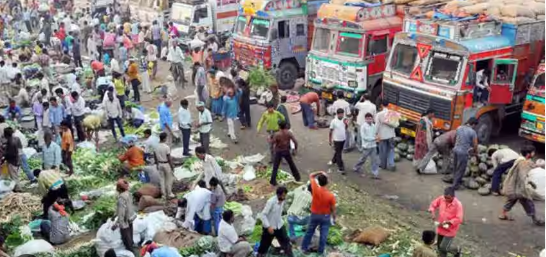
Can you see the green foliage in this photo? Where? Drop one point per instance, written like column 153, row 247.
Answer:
column 258, row 77
column 256, row 235
column 34, row 163
column 104, row 208
column 79, row 184
column 12, row 234
column 104, row 164
column 335, row 236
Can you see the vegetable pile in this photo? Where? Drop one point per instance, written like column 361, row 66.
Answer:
column 104, row 208
column 204, row 244
column 13, row 234
column 23, row 205
column 104, row 164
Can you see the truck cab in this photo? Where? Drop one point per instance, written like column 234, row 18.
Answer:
column 274, row 34
column 350, row 48
column 532, row 117
column 218, row 15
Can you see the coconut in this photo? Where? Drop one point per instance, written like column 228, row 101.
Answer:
column 472, row 184
column 409, row 157
column 396, row 150
column 482, row 167
column 397, row 140
column 467, row 172
column 489, row 163
column 484, row 191
column 439, row 163
column 490, row 172
column 396, row 157
column 484, row 157
column 481, row 180
column 448, row 178
column 411, row 150
column 474, row 170
column 436, row 158
column 488, row 185
column 484, row 176
column 482, row 148
column 402, row 146
column 503, row 146
column 473, row 160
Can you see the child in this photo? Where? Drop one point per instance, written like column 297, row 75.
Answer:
column 217, row 201
column 426, row 250
column 67, row 146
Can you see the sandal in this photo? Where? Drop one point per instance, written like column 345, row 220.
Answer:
column 538, row 222
column 506, row 217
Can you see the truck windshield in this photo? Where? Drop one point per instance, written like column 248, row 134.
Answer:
column 240, row 25
column 403, row 58
column 349, row 44
column 537, row 89
column 444, row 68
column 181, row 14
column 321, row 40
column 259, row 28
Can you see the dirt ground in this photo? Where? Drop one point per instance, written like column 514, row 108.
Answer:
column 403, row 193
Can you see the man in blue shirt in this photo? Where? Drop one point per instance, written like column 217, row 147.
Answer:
column 184, row 123
column 368, row 132
column 465, row 140
column 56, row 115
column 13, row 112
column 166, row 119
column 51, row 153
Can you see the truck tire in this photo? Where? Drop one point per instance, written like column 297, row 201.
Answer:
column 376, row 94
column 286, row 75
column 484, row 129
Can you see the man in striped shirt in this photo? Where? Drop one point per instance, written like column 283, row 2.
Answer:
column 52, row 187
column 299, row 210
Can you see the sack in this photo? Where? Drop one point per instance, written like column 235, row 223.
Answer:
column 249, row 173
column 430, row 168
column 147, row 201
column 538, row 8
column 33, row 247
column 538, row 177
column 392, row 118
column 402, row 1
column 179, row 238
column 151, row 190
column 372, row 235
column 513, row 10
column 108, row 238
column 516, row 20
column 475, row 9
column 109, row 40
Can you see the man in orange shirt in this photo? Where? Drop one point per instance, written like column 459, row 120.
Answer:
column 323, row 211
column 67, row 146
column 134, row 157
column 307, row 111
column 134, row 78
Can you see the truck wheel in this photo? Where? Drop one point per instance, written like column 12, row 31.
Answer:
column 286, row 75
column 376, row 95
column 484, row 128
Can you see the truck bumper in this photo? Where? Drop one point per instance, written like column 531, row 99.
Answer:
column 530, row 135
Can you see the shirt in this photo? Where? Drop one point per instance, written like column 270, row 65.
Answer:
column 165, row 251
column 51, row 155
column 384, row 131
column 200, row 77
column 218, row 198
column 342, row 104
column 184, row 118
column 151, row 143
column 124, row 210
column 13, row 112
column 119, row 87
column 152, row 53
column 323, row 200
column 198, row 203
column 165, row 116
column 301, row 204
column 114, row 66
column 56, row 114
column 136, row 114
column 161, row 152
column 205, row 117
column 281, row 140
column 502, row 156
column 481, row 80
column 368, row 134
column 424, row 251
column 284, row 111
column 176, row 55
column 49, row 180
column 67, row 141
column 271, row 120
column 211, row 168
column 38, row 109
column 464, row 139
column 227, row 236
column 46, row 120
column 271, row 215
column 60, row 228
column 230, row 107
column 113, row 108
column 134, row 157
column 338, row 128
column 452, row 212
column 76, row 88
column 78, row 107
column 364, row 108
column 13, row 151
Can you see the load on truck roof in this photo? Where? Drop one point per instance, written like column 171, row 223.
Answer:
column 361, row 16
column 280, row 8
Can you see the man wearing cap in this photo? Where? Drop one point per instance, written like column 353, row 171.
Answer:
column 204, row 125
column 450, row 217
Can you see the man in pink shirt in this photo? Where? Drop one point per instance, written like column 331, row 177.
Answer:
column 450, row 216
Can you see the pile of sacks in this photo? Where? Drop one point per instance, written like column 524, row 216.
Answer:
column 508, row 11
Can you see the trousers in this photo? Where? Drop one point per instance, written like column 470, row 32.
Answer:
column 231, row 128
column 386, row 153
column 445, row 246
column 166, row 179
column 527, row 204
column 497, row 175
column 461, row 160
column 205, row 141
column 127, row 237
column 315, row 221
column 282, row 238
column 372, row 154
column 279, row 155
column 116, row 121
column 308, row 115
column 186, row 133
column 338, row 152
column 434, row 149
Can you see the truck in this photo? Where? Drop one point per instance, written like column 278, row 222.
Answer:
column 532, row 117
column 349, row 50
column 275, row 34
column 434, row 64
column 217, row 15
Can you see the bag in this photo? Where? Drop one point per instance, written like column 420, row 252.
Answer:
column 372, row 235
column 147, row 201
column 109, row 40
column 513, row 11
column 392, row 119
column 249, row 173
column 150, row 190
column 33, row 247
column 430, row 168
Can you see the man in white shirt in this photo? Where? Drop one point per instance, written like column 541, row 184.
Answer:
column 273, row 225
column 13, row 71
column 152, row 56
column 4, row 80
column 115, row 67
column 386, row 134
column 211, row 168
column 184, row 123
column 503, row 160
column 136, row 117
column 204, row 125
column 176, row 57
column 341, row 103
column 70, row 78
column 76, row 87
column 151, row 141
column 364, row 106
column 228, row 240
column 113, row 111
column 213, row 45
column 337, row 137
column 369, row 146
column 482, row 89
column 197, row 204
column 78, row 112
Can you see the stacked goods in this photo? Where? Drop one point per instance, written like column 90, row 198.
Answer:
column 403, row 149
column 415, row 7
column 509, row 11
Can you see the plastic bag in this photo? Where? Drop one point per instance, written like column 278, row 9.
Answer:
column 22, row 137
column 108, row 238
column 430, row 168
column 182, row 173
column 392, row 119
column 538, row 177
column 29, row 152
column 87, row 145
column 249, row 173
column 247, row 224
column 33, row 247
column 6, row 185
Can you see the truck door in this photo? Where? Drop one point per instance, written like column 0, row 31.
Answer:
column 202, row 16
column 283, row 38
column 503, row 78
column 377, row 47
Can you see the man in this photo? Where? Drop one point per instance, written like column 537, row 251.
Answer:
column 134, row 78
column 52, row 187
column 162, row 156
column 465, row 140
column 386, row 135
column 298, row 212
column 425, row 249
column 341, row 103
column 307, row 111
column 113, row 112
column 197, row 215
column 166, row 119
column 156, row 36
column 281, row 144
column 516, row 188
column 65, row 100
column 204, row 125
column 217, row 202
column 152, row 56
column 482, row 89
column 134, row 157
column 76, row 87
column 78, row 112
column 200, row 81
column 184, row 123
column 76, row 53
column 56, row 115
column 368, row 132
column 125, row 214
column 51, row 153
column 272, row 224
column 136, row 117
column 443, row 145
column 67, row 146
column 176, row 57
column 450, row 217
column 271, row 118
column 323, row 211
column 13, row 112
column 12, row 156
column 363, row 107
column 57, row 230
column 337, row 137
column 503, row 160
column 150, row 142
column 228, row 240
column 284, row 111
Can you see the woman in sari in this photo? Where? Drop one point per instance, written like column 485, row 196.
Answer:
column 423, row 137
column 215, row 92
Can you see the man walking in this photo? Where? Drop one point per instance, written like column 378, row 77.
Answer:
column 78, row 112
column 166, row 119
column 204, row 125
column 125, row 214
column 271, row 119
column 281, row 144
column 184, row 123
column 465, row 140
column 200, row 81
column 450, row 217
column 386, row 133
column 113, row 112
column 443, row 145
column 323, row 211
column 502, row 160
column 273, row 226
column 516, row 186
column 337, row 137
column 368, row 133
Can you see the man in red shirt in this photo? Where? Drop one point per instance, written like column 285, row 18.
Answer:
column 323, row 208
column 450, row 217
column 306, row 111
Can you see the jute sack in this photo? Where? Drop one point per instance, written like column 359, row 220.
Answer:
column 540, row 17
column 538, row 8
column 516, row 20
column 402, row 1
column 372, row 235
column 475, row 9
column 513, row 10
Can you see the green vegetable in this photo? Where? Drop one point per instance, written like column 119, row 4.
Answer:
column 247, row 189
column 34, row 163
column 84, row 183
column 12, row 233
column 234, row 206
column 131, row 104
column 281, row 176
column 103, row 164
column 335, row 236
column 256, row 235
column 188, row 162
column 130, row 130
column 154, row 115
column 104, row 208
column 258, row 77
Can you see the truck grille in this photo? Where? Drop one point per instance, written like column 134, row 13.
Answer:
column 330, row 73
column 416, row 102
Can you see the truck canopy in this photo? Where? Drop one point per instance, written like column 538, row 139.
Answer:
column 358, row 17
column 278, row 8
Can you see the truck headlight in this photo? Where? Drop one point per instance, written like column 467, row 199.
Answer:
column 352, row 83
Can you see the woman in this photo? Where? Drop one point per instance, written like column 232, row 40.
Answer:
column 230, row 107
column 56, row 230
column 423, row 137
column 215, row 93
